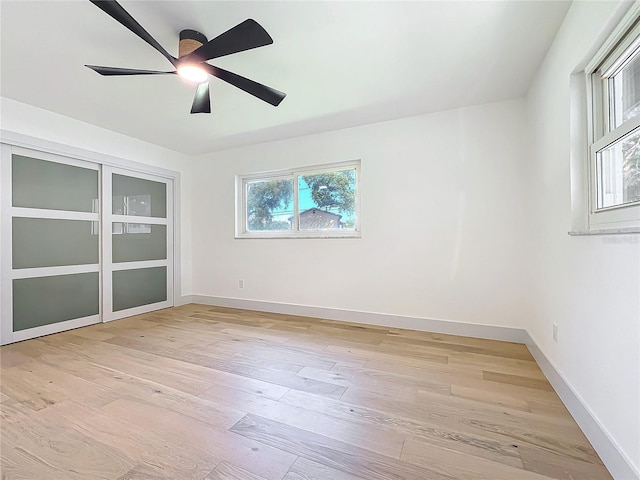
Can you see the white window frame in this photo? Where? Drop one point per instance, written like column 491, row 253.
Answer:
column 293, row 173
column 600, row 134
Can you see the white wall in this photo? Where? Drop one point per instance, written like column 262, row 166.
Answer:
column 588, row 286
column 441, row 218
column 46, row 126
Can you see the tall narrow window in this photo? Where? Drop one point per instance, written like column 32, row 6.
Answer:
column 614, row 166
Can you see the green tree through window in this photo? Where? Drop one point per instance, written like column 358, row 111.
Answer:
column 263, row 198
column 333, row 190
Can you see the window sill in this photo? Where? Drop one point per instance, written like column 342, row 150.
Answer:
column 293, row 236
column 610, row 231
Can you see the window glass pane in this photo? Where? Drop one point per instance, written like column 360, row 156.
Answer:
column 270, row 204
column 134, row 288
column 46, row 300
column 42, row 242
column 133, row 242
column 53, row 186
column 625, row 92
column 139, row 197
column 327, row 200
column 618, row 172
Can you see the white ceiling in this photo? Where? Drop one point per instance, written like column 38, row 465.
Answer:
column 341, row 63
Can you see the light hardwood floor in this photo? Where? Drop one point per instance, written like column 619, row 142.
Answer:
column 197, row 392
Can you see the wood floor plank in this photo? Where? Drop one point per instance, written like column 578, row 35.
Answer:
column 426, row 371
column 516, row 380
column 543, row 396
column 485, row 361
column 27, row 389
column 304, row 469
column 389, row 352
column 93, row 334
column 407, row 392
column 227, row 471
column 551, row 409
column 367, row 436
column 41, row 385
column 255, row 370
column 11, row 355
column 172, row 457
column 257, row 333
column 33, row 449
column 284, row 352
column 143, row 472
column 429, row 362
column 225, row 318
column 521, row 427
column 461, row 466
column 444, row 434
column 125, row 385
column 560, row 467
column 351, row 333
column 205, row 376
column 12, row 411
column 508, row 401
column 264, row 460
column 367, row 377
column 201, row 392
column 337, row 455
column 503, row 351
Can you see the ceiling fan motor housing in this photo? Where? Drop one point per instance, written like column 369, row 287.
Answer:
column 189, row 41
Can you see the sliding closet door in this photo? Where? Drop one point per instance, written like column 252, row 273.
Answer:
column 50, row 242
column 138, row 243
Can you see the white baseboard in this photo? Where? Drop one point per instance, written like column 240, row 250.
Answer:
column 183, row 300
column 613, row 457
column 618, row 464
column 492, row 332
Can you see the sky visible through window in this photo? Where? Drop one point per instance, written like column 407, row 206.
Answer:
column 305, row 203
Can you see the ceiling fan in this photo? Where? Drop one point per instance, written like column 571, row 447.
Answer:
column 194, row 51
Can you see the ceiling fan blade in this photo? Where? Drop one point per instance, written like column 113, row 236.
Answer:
column 115, row 10
column 244, row 36
column 201, row 101
column 109, row 71
column 268, row 94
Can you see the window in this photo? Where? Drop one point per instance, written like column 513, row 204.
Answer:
column 614, row 134
column 319, row 201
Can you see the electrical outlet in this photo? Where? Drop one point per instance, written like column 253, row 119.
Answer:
column 555, row 333
column 240, row 283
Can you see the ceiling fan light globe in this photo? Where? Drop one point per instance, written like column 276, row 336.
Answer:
column 192, row 73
